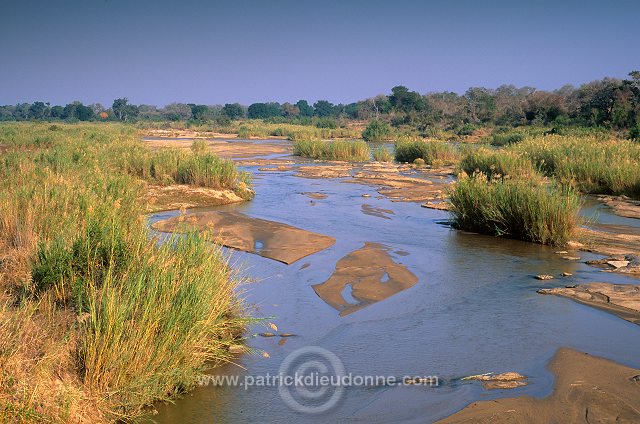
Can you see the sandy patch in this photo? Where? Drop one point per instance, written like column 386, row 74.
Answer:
column 372, row 276
column 378, row 212
column 622, row 300
column 622, row 205
column 179, row 196
column 588, row 389
column 224, row 148
column 617, row 240
column 325, row 171
column 270, row 239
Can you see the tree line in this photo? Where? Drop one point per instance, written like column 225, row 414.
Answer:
column 609, row 103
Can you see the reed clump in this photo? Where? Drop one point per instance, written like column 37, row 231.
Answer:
column 431, row 151
column 340, row 150
column 515, row 208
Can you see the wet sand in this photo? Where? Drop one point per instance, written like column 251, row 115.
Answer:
column 588, row 389
column 622, row 300
column 179, row 196
column 372, row 276
column 270, row 239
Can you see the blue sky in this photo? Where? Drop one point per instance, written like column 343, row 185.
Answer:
column 214, row 52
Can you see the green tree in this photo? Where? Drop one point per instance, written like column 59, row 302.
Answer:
column 305, row 109
column 39, row 110
column 77, row 110
column 264, row 110
column 323, row 108
column 233, row 110
column 377, row 130
column 403, row 100
column 123, row 110
column 199, row 112
column 176, row 112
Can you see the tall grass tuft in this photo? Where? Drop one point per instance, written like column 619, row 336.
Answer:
column 589, row 163
column 352, row 151
column 495, row 163
column 432, row 152
column 515, row 208
column 382, row 154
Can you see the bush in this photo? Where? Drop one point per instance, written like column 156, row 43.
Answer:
column 327, row 123
column 634, row 134
column 466, row 129
column 515, row 208
column 429, row 151
column 506, row 139
column 377, row 131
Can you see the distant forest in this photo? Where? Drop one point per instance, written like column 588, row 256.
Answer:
column 608, row 103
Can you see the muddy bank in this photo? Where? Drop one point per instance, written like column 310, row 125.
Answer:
column 270, row 239
column 588, row 389
column 622, row 300
column 370, row 273
column 622, row 205
column 180, row 196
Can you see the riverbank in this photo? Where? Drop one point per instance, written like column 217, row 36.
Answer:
column 97, row 320
column 587, row 389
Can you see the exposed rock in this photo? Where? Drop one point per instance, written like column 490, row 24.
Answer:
column 620, row 299
column 626, row 264
column 567, row 274
column 280, row 168
column 443, row 206
column 571, row 258
column 618, row 264
column 544, row 277
column 622, row 205
column 507, row 380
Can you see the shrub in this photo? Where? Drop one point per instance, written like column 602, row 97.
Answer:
column 634, row 133
column 515, row 208
column 327, row 123
column 429, row 151
column 506, row 139
column 377, row 130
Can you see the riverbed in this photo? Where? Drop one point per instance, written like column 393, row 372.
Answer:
column 473, row 308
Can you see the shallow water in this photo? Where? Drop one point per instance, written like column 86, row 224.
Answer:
column 474, row 310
